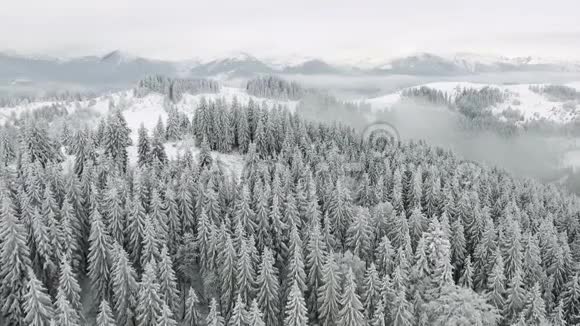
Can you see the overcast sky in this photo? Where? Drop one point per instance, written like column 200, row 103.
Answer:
column 332, row 29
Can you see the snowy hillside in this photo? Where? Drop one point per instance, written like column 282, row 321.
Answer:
column 532, row 105
column 147, row 109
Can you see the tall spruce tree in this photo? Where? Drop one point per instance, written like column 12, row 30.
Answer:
column 352, row 311
column 329, row 292
column 14, row 263
column 296, row 313
column 192, row 316
column 166, row 317
column 125, row 286
column 255, row 316
column 214, row 318
column 268, row 288
column 37, row 304
column 149, row 302
column 105, row 315
column 99, row 257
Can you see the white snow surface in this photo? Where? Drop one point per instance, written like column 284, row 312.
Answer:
column 531, row 105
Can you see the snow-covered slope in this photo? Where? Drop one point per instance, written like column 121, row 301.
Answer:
column 147, row 109
column 531, row 105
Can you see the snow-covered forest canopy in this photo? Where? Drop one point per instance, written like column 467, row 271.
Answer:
column 412, row 238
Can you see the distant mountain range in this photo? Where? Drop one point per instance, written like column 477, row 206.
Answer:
column 120, row 68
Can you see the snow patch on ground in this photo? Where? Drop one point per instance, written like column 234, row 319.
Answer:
column 384, row 102
column 231, row 163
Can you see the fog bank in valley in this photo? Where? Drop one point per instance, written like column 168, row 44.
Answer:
column 524, row 154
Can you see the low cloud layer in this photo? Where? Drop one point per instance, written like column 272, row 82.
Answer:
column 330, row 29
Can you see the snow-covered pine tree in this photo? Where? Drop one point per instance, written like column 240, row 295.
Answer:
column 401, row 310
column 99, row 257
column 148, row 301
column 151, row 242
column 295, row 265
column 37, row 303
column 371, row 289
column 329, row 292
column 191, row 315
column 417, row 225
column 238, row 317
column 296, row 313
column 135, row 232
column 14, row 263
column 466, row 279
column 105, row 315
column 157, row 153
column 255, row 316
column 214, row 318
column 68, row 286
column 246, row 273
column 168, row 281
column 516, row 296
column 535, row 310
column 143, row 147
column 116, row 139
column 114, row 212
column 243, row 213
column 204, row 158
column 496, row 282
column 65, row 315
column 72, row 233
column 166, row 317
column 172, row 130
column 315, row 252
column 385, row 254
column 359, row 233
column 352, row 310
column 379, row 316
column 268, row 288
column 227, row 262
column 125, row 286
column 571, row 300
column 557, row 318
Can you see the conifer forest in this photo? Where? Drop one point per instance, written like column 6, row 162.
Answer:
column 413, row 236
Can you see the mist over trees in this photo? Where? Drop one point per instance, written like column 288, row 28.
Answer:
column 413, row 237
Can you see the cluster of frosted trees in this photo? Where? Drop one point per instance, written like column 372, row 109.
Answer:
column 274, row 87
column 11, row 101
column 292, row 239
column 174, row 88
column 427, row 94
column 557, row 92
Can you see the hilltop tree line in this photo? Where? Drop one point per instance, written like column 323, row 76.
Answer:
column 410, row 236
column 557, row 92
column 174, row 88
column 58, row 96
column 276, row 88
